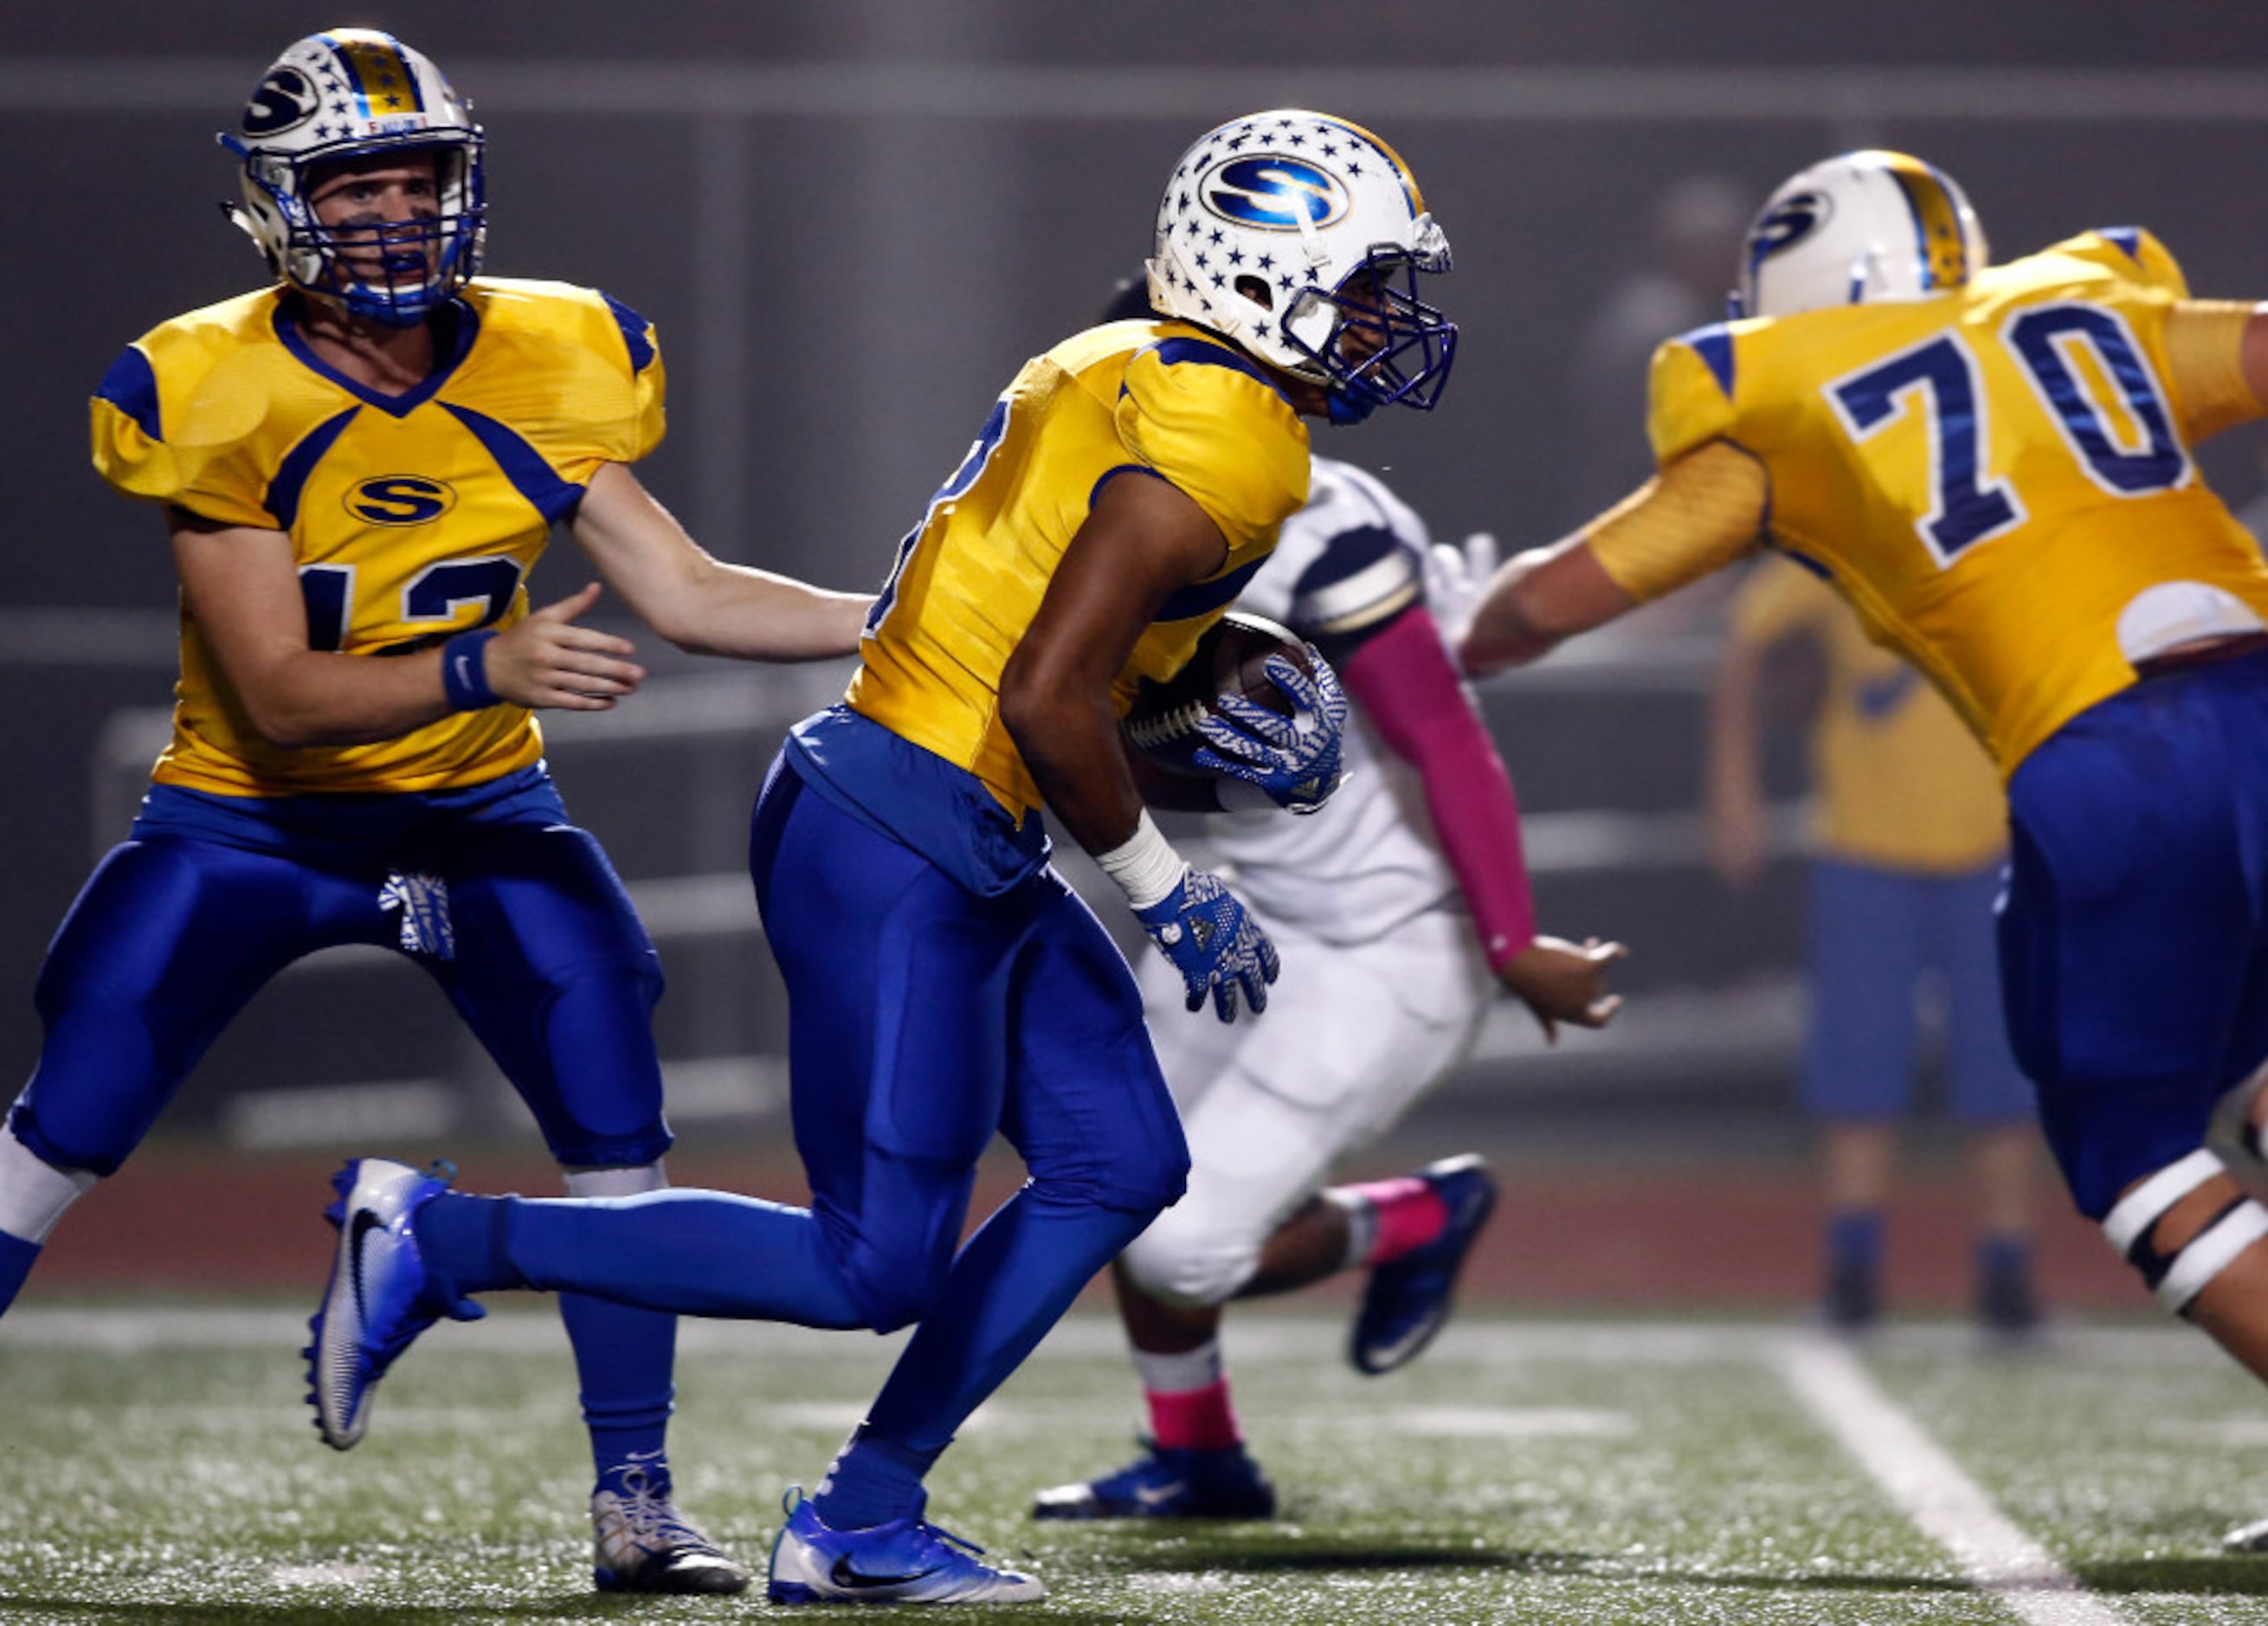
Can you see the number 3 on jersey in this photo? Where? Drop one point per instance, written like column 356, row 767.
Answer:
column 2127, row 447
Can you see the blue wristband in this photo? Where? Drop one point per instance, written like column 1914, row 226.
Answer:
column 465, row 672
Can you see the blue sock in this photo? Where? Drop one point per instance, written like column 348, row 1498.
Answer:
column 623, row 1355
column 461, row 1238
column 1854, row 1239
column 872, row 1481
column 2002, row 1257
column 690, row 1253
column 624, row 1358
column 16, row 1258
column 1012, row 1282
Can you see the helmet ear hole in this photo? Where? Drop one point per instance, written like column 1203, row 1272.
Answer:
column 1256, row 290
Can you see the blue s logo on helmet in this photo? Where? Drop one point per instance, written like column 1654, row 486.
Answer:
column 400, row 500
column 1274, row 193
column 1794, row 220
column 284, row 99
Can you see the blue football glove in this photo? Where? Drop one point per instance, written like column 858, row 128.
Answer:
column 1217, row 947
column 1295, row 761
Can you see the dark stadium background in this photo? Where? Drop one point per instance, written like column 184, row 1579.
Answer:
column 851, row 222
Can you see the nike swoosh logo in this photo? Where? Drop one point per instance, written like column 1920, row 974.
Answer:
column 1401, row 1346
column 365, row 1222
column 465, row 669
column 1151, row 1496
column 844, row 1575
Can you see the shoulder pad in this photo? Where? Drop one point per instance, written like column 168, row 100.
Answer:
column 1689, row 393
column 612, row 386
column 1363, row 574
column 1209, row 420
column 2131, row 252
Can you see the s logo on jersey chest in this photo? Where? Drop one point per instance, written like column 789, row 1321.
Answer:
column 400, row 500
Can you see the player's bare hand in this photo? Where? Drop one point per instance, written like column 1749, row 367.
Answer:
column 1561, row 982
column 548, row 660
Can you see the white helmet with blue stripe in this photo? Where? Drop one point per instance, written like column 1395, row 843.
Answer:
column 1267, row 221
column 1858, row 227
column 351, row 93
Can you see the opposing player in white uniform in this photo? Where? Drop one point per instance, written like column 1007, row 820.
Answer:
column 1399, row 907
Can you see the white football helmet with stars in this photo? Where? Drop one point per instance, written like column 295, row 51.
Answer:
column 352, row 93
column 1268, row 221
column 1858, row 228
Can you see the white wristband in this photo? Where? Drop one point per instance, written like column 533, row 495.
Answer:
column 1144, row 865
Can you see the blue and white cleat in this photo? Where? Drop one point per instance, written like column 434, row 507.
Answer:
column 641, row 1543
column 1169, row 1482
column 906, row 1561
column 381, row 1296
column 1407, row 1301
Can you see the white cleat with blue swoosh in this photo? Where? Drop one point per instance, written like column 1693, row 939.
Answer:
column 381, row 1296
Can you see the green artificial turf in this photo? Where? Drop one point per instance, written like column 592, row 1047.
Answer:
column 159, row 1467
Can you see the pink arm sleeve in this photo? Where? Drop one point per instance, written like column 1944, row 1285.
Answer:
column 1404, row 682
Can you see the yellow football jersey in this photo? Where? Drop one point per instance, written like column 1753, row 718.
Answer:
column 1898, row 781
column 1996, row 478
column 412, row 517
column 1162, row 397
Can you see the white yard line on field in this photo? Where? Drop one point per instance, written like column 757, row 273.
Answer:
column 1944, row 1503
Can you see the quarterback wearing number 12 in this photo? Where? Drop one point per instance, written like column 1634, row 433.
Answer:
column 359, row 465
column 1991, row 464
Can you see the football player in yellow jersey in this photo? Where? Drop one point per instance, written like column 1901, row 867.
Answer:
column 1909, row 835
column 1991, row 465
column 359, row 465
column 944, row 984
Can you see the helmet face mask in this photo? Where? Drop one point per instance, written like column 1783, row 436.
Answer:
column 1376, row 344
column 1300, row 238
column 342, row 98
column 1859, row 228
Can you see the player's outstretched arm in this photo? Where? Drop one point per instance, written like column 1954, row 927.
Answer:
column 696, row 600
column 1700, row 513
column 2252, row 358
column 1536, row 599
column 242, row 586
column 1403, row 680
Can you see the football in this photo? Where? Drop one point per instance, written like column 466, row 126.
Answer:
column 1230, row 659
